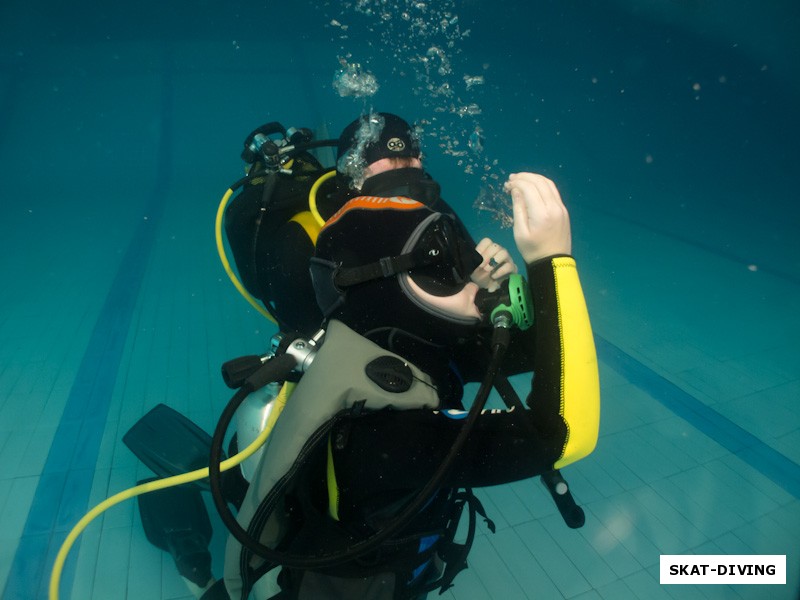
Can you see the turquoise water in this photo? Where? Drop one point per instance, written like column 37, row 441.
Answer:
column 671, row 130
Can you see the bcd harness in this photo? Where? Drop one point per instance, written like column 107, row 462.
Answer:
column 327, row 395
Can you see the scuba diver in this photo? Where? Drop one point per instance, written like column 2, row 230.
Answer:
column 270, row 228
column 361, row 485
column 379, row 155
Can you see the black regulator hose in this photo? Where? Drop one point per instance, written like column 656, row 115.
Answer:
column 499, row 344
column 275, row 369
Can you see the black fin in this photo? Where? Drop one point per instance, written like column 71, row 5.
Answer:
column 169, row 443
column 176, row 521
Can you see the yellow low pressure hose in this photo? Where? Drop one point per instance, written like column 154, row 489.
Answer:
column 160, row 484
column 227, row 265
column 280, row 401
column 223, row 257
column 312, row 196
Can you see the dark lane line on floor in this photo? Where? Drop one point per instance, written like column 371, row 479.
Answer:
column 64, row 488
column 738, row 441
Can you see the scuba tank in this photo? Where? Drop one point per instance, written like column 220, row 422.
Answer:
column 251, row 419
column 271, row 223
column 260, row 226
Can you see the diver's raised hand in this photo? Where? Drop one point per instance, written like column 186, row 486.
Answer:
column 496, row 266
column 541, row 221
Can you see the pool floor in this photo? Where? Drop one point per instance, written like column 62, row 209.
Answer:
column 113, row 301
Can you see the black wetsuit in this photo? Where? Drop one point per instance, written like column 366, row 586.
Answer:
column 412, row 183
column 504, row 445
column 271, row 250
column 382, row 458
column 374, row 461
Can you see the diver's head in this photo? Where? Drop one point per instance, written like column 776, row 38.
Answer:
column 393, row 263
column 375, row 143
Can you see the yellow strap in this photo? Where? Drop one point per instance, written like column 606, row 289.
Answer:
column 333, row 487
column 307, row 221
column 580, row 382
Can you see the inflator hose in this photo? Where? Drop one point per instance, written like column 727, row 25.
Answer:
column 158, row 484
column 499, row 345
column 223, row 257
column 226, row 197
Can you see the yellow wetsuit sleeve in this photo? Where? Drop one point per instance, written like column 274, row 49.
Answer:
column 566, row 378
column 580, row 388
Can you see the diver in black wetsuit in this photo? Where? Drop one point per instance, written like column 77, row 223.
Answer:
column 378, row 412
column 357, row 493
column 271, row 232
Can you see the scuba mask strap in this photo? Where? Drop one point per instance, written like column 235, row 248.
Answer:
column 331, row 280
column 388, row 266
column 434, row 243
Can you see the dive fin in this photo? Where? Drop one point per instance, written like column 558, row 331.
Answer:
column 169, row 443
column 176, row 520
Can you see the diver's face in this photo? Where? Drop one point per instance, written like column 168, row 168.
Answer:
column 460, row 305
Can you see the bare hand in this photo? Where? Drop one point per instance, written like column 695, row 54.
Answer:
column 541, row 221
column 496, row 266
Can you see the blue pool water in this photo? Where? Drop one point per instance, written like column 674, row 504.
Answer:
column 670, row 128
